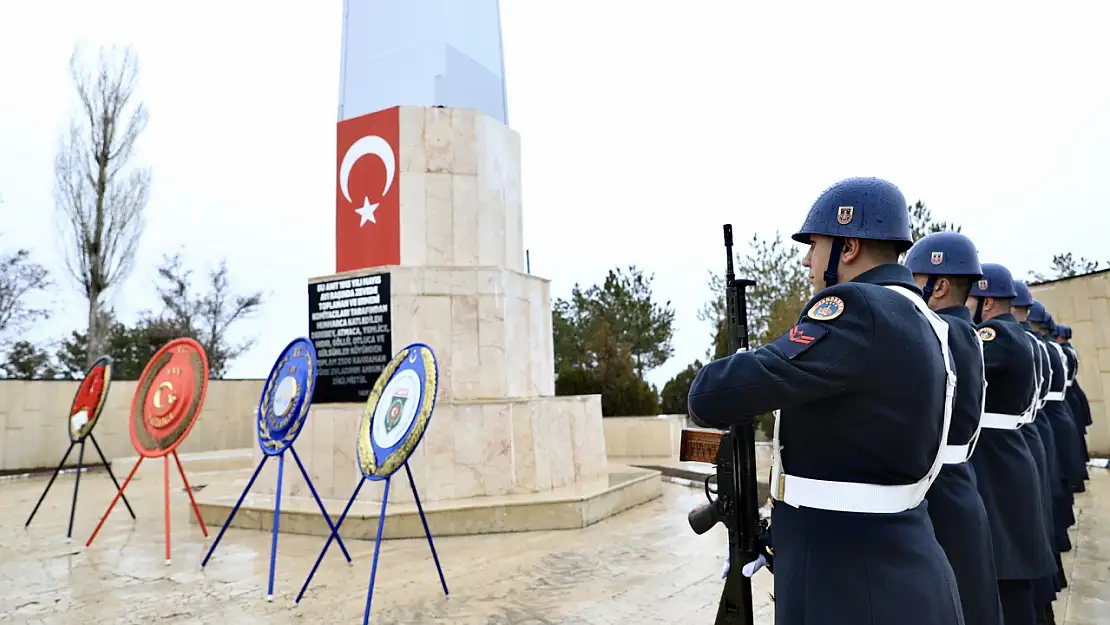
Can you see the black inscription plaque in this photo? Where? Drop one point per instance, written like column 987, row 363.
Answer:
column 349, row 321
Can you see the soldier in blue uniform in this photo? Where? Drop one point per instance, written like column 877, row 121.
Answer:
column 1045, row 588
column 1072, row 467
column 864, row 386
column 1053, row 338
column 945, row 265
column 1065, row 515
column 1006, row 471
column 1061, row 512
column 1075, row 397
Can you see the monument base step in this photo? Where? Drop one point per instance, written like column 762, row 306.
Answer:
column 199, row 462
column 570, row 507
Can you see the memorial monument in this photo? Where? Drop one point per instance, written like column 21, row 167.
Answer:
column 429, row 249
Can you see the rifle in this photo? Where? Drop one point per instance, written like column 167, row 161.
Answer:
column 733, row 453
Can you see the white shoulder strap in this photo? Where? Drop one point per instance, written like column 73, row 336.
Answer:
column 1059, row 395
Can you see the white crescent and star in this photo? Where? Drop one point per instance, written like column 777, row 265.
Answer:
column 379, row 147
column 164, row 386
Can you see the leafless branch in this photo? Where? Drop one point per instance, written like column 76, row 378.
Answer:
column 99, row 194
column 19, row 277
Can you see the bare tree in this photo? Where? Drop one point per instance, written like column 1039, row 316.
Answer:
column 19, row 277
column 208, row 316
column 99, row 195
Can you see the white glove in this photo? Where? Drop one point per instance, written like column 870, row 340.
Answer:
column 753, row 566
column 741, row 350
column 749, row 569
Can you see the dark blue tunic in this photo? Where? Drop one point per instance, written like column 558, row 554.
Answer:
column 1045, row 588
column 955, row 507
column 1007, row 474
column 1079, row 411
column 861, row 395
column 1072, row 465
column 1060, row 499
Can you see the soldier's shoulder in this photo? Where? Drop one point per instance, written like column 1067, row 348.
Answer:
column 833, row 302
column 959, row 326
column 995, row 330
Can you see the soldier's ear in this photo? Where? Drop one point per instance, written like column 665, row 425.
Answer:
column 852, row 250
column 942, row 288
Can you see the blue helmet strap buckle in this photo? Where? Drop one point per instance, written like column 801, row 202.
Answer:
column 979, row 310
column 834, row 261
column 930, row 284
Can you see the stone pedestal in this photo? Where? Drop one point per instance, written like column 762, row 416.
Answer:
column 471, row 449
column 498, row 437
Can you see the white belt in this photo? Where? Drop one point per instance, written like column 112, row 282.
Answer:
column 1069, row 383
column 956, row 454
column 1055, row 396
column 999, row 421
column 869, row 498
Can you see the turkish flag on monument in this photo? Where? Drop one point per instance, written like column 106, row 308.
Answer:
column 367, row 197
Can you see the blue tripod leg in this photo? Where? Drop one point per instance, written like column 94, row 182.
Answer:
column 427, row 532
column 330, row 538
column 323, row 510
column 231, row 516
column 277, row 517
column 76, row 484
column 377, row 550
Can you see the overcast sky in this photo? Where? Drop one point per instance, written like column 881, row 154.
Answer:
column 645, row 124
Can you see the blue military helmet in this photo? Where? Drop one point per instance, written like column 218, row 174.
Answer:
column 1037, row 313
column 996, row 281
column 862, row 208
column 943, row 254
column 1024, row 296
column 1063, row 331
column 1049, row 324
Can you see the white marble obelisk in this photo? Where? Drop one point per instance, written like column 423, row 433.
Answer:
column 422, row 53
column 428, row 196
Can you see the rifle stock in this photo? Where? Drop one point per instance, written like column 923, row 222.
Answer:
column 736, row 504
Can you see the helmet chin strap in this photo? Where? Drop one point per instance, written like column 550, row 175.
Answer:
column 834, row 260
column 927, row 291
column 979, row 310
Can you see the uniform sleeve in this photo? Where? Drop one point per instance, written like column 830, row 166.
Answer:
column 997, row 354
column 816, row 358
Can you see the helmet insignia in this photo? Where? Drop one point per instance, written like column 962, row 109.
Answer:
column 844, row 215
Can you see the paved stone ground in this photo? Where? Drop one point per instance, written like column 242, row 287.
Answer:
column 643, row 567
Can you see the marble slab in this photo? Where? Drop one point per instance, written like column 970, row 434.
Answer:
column 460, row 190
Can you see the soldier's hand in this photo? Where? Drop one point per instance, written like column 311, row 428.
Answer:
column 752, row 567
column 741, row 350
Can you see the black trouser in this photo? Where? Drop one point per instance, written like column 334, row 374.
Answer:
column 1016, row 596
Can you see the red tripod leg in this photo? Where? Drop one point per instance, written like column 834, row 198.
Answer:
column 116, row 499
column 166, row 480
column 189, row 490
